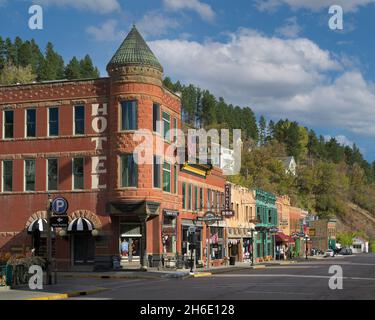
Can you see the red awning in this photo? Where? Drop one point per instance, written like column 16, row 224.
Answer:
column 282, row 237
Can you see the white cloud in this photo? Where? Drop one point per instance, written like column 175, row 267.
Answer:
column 290, row 29
column 155, row 23
column 204, row 10
column 278, row 77
column 341, row 139
column 315, row 5
column 99, row 6
column 108, row 31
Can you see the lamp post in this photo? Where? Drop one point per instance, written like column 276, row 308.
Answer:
column 306, row 239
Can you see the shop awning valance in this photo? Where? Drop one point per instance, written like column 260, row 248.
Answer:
column 37, row 225
column 282, row 237
column 80, row 224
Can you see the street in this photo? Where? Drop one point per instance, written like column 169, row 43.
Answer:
column 302, row 281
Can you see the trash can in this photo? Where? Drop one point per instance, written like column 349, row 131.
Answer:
column 232, row 261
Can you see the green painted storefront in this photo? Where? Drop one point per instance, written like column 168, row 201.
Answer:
column 267, row 218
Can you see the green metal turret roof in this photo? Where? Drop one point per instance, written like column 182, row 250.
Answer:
column 134, row 51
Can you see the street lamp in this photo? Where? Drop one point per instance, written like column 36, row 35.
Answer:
column 306, row 239
column 49, row 239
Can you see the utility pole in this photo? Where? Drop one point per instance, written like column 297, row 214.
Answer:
column 49, row 240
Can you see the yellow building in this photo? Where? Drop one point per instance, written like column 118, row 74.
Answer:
column 283, row 211
column 239, row 226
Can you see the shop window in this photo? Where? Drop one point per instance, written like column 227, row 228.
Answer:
column 129, row 115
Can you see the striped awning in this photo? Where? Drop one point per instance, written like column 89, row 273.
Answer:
column 38, row 224
column 80, row 224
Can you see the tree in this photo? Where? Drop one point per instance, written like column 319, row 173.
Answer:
column 262, row 130
column 73, row 69
column 11, row 74
column 52, row 66
column 87, row 68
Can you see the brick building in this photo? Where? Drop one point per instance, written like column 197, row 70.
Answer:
column 76, row 139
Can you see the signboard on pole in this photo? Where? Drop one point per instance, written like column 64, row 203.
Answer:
column 209, row 218
column 227, row 213
column 59, row 222
column 60, row 206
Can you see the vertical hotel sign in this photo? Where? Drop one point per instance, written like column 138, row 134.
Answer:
column 99, row 125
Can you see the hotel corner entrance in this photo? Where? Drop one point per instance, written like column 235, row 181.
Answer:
column 130, row 242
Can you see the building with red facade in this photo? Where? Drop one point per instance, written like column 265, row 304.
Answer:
column 76, row 139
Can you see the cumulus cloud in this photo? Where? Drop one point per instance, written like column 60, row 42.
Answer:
column 277, row 77
column 98, row 6
column 155, row 23
column 290, row 29
column 108, row 31
column 204, row 10
column 315, row 5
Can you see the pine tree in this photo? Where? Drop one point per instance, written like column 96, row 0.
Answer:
column 53, row 65
column 73, row 69
column 262, row 130
column 2, row 53
column 87, row 68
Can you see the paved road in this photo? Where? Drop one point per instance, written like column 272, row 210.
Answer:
column 305, row 280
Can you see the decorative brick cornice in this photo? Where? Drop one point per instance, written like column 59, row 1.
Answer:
column 88, row 215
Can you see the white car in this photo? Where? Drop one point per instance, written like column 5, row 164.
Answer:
column 329, row 253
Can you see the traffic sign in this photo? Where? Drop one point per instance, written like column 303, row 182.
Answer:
column 59, row 222
column 60, row 206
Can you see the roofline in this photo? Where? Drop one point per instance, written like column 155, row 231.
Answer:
column 51, row 82
column 171, row 92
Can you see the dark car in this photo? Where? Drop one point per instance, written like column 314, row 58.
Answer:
column 346, row 251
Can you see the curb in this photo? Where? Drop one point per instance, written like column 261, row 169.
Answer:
column 69, row 294
column 201, row 275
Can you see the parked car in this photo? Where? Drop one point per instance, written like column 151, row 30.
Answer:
column 329, row 253
column 346, row 251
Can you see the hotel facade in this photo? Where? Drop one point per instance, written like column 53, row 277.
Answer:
column 76, row 139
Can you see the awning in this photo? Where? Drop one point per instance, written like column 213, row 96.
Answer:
column 282, row 237
column 38, row 224
column 80, row 224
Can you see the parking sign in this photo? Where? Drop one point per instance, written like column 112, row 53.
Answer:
column 60, row 205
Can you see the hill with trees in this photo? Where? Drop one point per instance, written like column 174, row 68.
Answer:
column 24, row 62
column 333, row 180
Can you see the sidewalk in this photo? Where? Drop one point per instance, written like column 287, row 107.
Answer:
column 49, row 292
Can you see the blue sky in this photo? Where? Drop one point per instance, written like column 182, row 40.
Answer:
column 277, row 56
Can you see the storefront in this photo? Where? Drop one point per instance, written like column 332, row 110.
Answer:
column 185, row 245
column 168, row 235
column 284, row 246
column 247, row 249
column 130, row 242
column 217, row 244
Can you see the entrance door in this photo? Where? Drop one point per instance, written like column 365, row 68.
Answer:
column 131, row 249
column 84, row 249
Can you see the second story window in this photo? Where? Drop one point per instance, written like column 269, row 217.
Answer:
column 30, row 175
column 201, row 200
column 208, row 199
column 30, row 123
column 79, row 120
column 196, row 198
column 129, row 171
column 175, row 130
column 175, row 178
column 52, row 174
column 166, row 126
column 156, row 117
column 8, row 124
column 78, row 173
column 53, row 122
column 7, row 176
column 129, row 115
column 167, row 177
column 190, row 196
column 184, row 195
column 157, row 170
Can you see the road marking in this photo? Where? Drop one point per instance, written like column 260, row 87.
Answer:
column 287, row 275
